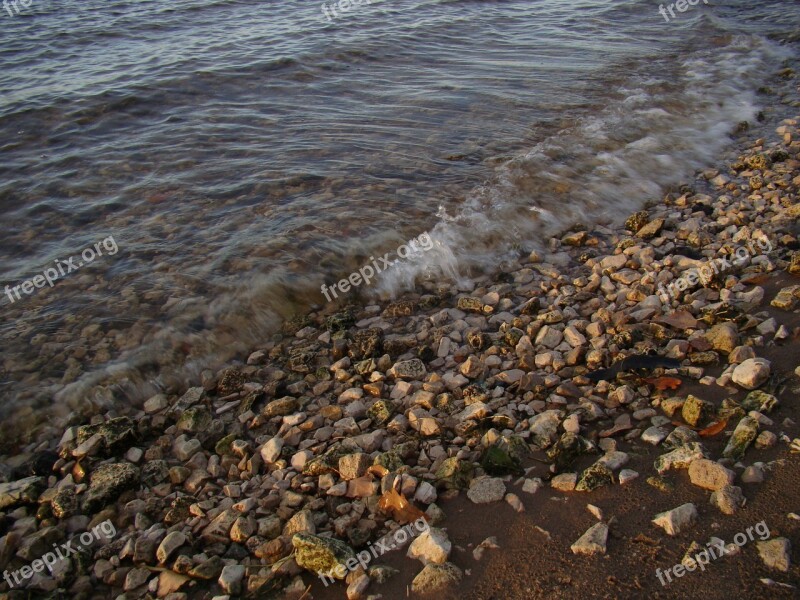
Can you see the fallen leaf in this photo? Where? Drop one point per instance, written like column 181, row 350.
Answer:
column 714, row 428
column 402, row 510
column 664, row 383
column 680, row 319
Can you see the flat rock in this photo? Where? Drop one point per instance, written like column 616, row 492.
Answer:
column 483, row 490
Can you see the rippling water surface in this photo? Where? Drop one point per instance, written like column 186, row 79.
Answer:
column 241, row 153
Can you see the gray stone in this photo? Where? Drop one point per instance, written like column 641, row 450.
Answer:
column 676, row 520
column 593, row 541
column 483, row 490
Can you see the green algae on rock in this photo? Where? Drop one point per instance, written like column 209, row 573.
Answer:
column 744, row 434
column 323, row 556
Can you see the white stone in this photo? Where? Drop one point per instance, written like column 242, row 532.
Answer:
column 676, row 520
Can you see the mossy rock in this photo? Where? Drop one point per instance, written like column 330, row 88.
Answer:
column 454, row 473
column 496, row 461
column 595, row 476
column 381, row 411
column 117, row 434
column 323, row 556
column 696, row 410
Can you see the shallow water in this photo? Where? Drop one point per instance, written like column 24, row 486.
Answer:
column 242, row 153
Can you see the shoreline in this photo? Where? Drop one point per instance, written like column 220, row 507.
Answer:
column 227, row 486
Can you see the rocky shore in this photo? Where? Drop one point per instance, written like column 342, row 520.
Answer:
column 453, row 405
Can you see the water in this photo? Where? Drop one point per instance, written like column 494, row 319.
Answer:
column 242, row 153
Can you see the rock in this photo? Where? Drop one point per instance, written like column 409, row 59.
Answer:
column 564, row 482
column 484, row 490
column 745, row 432
column 753, row 474
column 728, row 499
column 271, row 451
column 413, row 369
column 676, row 520
column 651, row 229
column 21, row 491
column 496, row 461
column 515, row 503
column 116, row 435
column 766, row 439
column 208, row 569
column 593, row 477
column 432, row 546
column 775, row 553
column 544, row 429
column 230, row 580
column 634, row 223
column 107, row 482
column 593, row 541
column 435, row 577
column 358, row 587
column 472, row 367
column 280, row 407
column 531, row 486
column 323, row 556
column 696, row 410
column 723, row 337
column 787, row 298
column 352, row 466
column 549, row 337
column 627, row 475
column 710, row 475
column 426, row 493
column 759, row 401
column 169, row 583
column 454, row 473
column 381, row 411
column 194, row 420
column 752, row 373
column 654, row 435
column 169, row 545
column 680, row 458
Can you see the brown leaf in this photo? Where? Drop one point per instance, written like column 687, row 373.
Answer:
column 680, row 319
column 664, row 383
column 401, row 509
column 714, row 428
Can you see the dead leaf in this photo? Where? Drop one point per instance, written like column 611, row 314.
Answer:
column 402, row 510
column 664, row 383
column 680, row 319
column 714, row 428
